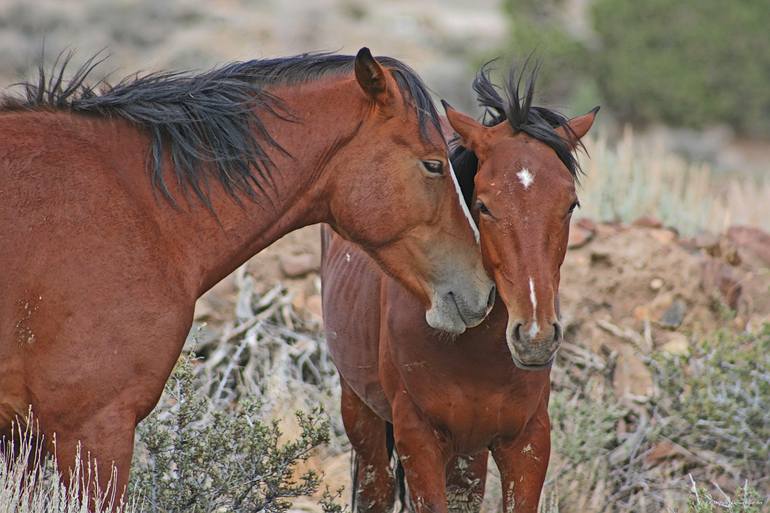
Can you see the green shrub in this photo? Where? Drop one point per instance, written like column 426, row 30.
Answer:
column 193, row 456
column 746, row 500
column 691, row 62
column 708, row 422
column 717, row 401
column 579, row 430
column 536, row 28
column 686, row 63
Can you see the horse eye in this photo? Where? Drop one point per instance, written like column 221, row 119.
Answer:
column 435, row 167
column 574, row 206
column 482, row 208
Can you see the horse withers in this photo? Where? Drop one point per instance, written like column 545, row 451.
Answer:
column 102, row 257
column 447, row 402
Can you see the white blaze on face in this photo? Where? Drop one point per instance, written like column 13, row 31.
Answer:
column 467, row 212
column 533, row 299
column 526, row 178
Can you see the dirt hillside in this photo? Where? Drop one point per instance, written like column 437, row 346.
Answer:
column 627, row 291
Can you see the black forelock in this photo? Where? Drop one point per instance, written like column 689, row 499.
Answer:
column 517, row 109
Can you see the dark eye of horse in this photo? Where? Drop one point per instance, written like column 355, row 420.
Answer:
column 435, row 167
column 574, row 206
column 483, row 208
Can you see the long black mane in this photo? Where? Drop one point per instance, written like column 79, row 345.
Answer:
column 537, row 122
column 210, row 123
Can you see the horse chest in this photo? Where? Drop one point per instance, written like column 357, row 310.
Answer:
column 475, row 406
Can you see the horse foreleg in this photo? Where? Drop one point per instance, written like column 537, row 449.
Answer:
column 373, row 481
column 424, row 455
column 466, row 480
column 523, row 462
column 95, row 380
column 96, row 456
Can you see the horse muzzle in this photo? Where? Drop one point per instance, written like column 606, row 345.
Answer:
column 451, row 312
column 533, row 349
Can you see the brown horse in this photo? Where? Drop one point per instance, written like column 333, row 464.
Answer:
column 450, row 402
column 118, row 209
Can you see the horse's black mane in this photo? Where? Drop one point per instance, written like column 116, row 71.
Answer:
column 537, row 122
column 210, row 123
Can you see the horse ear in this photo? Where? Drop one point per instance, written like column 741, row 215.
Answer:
column 371, row 76
column 578, row 127
column 469, row 130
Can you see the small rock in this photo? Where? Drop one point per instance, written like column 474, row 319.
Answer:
column 660, row 451
column 296, row 266
column 676, row 344
column 298, row 301
column 647, row 222
column 631, row 378
column 579, row 237
column 656, row 284
column 314, row 305
column 674, row 315
column 663, row 236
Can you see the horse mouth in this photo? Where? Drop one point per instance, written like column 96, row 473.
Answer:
column 533, row 366
column 445, row 315
column 457, row 308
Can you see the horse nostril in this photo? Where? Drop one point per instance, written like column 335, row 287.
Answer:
column 517, row 332
column 491, row 298
column 557, row 332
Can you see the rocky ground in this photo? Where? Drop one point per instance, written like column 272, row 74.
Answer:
column 628, row 292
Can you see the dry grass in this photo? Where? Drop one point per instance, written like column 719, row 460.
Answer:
column 30, row 482
column 630, row 180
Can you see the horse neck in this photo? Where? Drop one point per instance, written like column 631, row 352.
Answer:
column 217, row 243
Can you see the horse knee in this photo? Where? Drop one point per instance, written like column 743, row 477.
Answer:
column 466, row 480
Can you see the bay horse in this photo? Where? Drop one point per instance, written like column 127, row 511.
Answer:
column 447, row 403
column 120, row 207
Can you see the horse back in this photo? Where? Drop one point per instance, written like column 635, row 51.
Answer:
column 352, row 284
